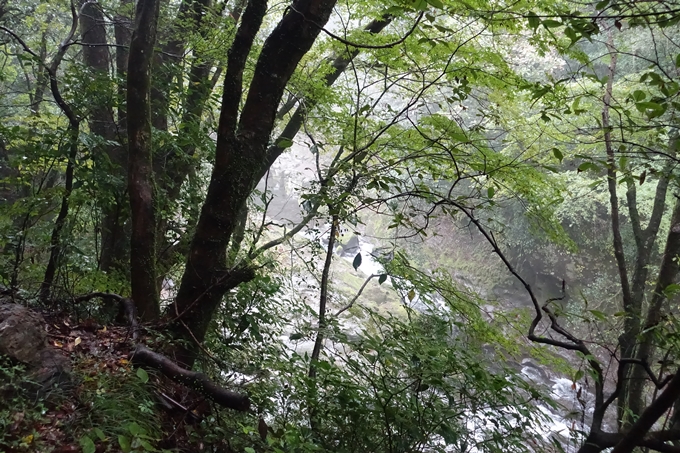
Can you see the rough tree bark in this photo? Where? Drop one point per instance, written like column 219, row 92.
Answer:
column 140, row 170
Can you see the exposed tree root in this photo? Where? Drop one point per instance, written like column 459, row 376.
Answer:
column 197, row 381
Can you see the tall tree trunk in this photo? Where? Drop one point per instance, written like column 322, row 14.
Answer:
column 173, row 167
column 20, row 224
column 115, row 230
column 668, row 274
column 241, row 158
column 42, row 79
column 166, row 65
column 71, row 155
column 630, row 307
column 140, row 173
column 102, row 122
column 60, row 222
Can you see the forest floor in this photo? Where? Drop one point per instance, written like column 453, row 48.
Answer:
column 109, row 405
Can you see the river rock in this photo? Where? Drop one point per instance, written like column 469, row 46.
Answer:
column 351, row 248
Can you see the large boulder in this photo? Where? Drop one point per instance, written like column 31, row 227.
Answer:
column 352, row 247
column 23, row 339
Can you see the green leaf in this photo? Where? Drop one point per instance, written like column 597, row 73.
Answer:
column 586, row 166
column 382, row 279
column 124, row 443
column 100, row 434
column 677, row 61
column 142, row 375
column 450, row 436
column 284, row 143
column 394, row 10
column 87, row 445
column 459, row 137
column 411, row 295
column 324, row 365
column 436, row 3
column 638, row 95
column 558, row 154
column 557, row 444
column 571, row 34
column 249, row 450
column 295, row 336
column 602, row 5
column 534, row 21
column 651, row 109
column 671, row 290
column 357, row 261
column 599, row 315
column 550, row 23
column 490, row 192
column 578, row 376
column 135, row 429
column 146, row 445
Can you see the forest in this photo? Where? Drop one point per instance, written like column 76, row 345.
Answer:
column 339, row 226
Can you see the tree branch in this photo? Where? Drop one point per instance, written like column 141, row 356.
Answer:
column 198, row 381
column 356, row 297
column 650, row 415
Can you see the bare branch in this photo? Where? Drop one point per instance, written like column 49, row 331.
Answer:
column 354, row 299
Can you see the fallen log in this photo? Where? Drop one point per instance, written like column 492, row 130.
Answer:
column 197, row 381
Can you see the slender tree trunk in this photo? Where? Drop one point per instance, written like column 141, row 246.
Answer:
column 166, row 65
column 123, row 34
column 42, row 79
column 667, row 275
column 112, row 169
column 60, row 222
column 323, row 299
column 71, row 155
column 140, row 174
column 21, row 223
column 630, row 307
column 115, row 231
column 173, row 167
